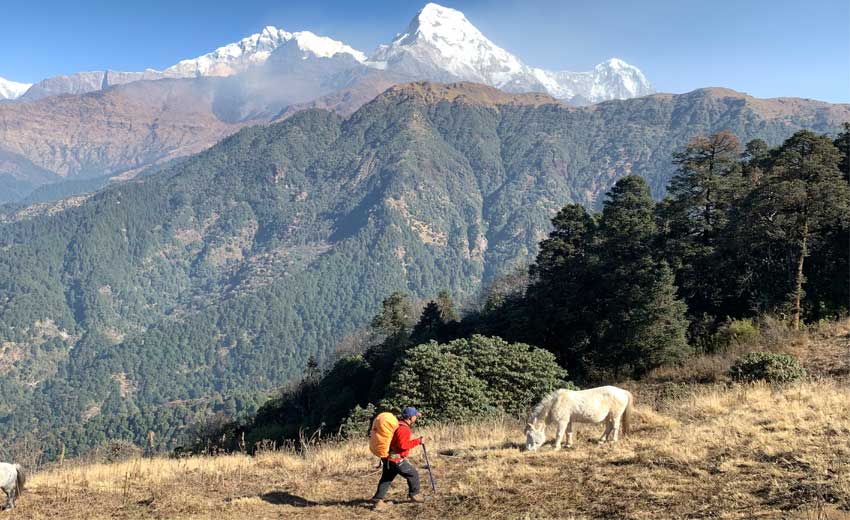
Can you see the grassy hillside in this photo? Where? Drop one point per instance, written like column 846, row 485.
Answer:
column 714, row 451
column 741, row 452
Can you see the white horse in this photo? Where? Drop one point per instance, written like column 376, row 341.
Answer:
column 12, row 480
column 567, row 407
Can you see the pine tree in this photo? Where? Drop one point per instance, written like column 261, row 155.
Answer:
column 395, row 317
column 312, row 371
column 799, row 200
column 448, row 312
column 430, row 326
column 755, row 160
column 392, row 327
column 438, row 320
column 641, row 323
column 561, row 296
column 695, row 215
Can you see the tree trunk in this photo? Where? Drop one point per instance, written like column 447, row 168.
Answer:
column 798, row 292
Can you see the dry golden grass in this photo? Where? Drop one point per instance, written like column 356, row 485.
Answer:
column 825, row 349
column 701, row 451
column 822, row 348
column 738, row 452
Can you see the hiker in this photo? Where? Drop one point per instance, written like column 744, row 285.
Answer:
column 396, row 462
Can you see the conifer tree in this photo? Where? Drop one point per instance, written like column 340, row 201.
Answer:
column 641, row 323
column 695, row 215
column 755, row 160
column 392, row 326
column 395, row 317
column 561, row 298
column 446, row 305
column 430, row 326
column 789, row 214
column 437, row 320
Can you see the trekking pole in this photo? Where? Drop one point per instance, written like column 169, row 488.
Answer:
column 428, row 466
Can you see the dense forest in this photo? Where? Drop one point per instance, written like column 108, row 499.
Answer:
column 195, row 291
column 610, row 295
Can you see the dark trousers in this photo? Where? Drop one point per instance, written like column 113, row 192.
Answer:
column 389, row 471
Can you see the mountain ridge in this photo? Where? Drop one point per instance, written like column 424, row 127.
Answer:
column 467, row 92
column 440, row 45
column 48, row 140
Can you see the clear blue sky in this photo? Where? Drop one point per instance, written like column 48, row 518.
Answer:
column 765, row 48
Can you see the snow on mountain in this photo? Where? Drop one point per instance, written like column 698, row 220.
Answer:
column 441, row 41
column 441, row 44
column 256, row 49
column 231, row 59
column 612, row 79
column 12, row 89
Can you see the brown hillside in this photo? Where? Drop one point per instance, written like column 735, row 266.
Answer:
column 126, row 128
column 115, row 130
column 716, row 451
column 777, row 108
column 472, row 93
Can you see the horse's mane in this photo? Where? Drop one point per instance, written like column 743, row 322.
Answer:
column 543, row 406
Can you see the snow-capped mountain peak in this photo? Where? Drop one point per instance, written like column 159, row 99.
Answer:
column 435, row 22
column 12, row 89
column 323, row 47
column 441, row 44
column 256, row 49
column 620, row 79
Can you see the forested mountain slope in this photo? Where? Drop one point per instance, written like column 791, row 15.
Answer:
column 203, row 285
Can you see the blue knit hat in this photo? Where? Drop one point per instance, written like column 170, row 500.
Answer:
column 409, row 412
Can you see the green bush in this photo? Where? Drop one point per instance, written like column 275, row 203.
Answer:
column 358, row 422
column 767, row 366
column 517, row 375
column 473, row 377
column 431, row 377
column 738, row 332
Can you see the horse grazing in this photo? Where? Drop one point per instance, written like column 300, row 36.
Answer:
column 12, row 480
column 567, row 407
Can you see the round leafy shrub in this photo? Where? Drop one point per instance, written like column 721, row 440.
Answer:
column 473, row 377
column 516, row 375
column 767, row 366
column 438, row 381
column 738, row 332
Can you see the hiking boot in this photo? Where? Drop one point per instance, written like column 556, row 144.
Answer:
column 417, row 498
column 379, row 505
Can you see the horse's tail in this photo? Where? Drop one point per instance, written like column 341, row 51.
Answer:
column 626, row 426
column 20, row 479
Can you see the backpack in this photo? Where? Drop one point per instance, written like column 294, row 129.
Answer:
column 381, row 434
